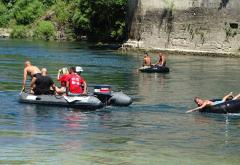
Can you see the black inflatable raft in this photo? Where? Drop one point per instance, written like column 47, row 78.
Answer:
column 231, row 106
column 108, row 97
column 79, row 102
column 154, row 69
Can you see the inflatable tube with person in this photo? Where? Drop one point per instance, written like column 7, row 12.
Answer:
column 154, row 69
column 230, row 106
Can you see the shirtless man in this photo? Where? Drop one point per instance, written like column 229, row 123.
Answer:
column 162, row 60
column 146, row 60
column 204, row 103
column 32, row 71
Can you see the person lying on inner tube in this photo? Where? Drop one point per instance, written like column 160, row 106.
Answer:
column 75, row 83
column 204, row 103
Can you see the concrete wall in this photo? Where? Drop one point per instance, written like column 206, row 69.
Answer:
column 192, row 25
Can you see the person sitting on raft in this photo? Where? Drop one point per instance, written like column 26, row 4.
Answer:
column 162, row 60
column 146, row 60
column 74, row 83
column 62, row 77
column 79, row 70
column 204, row 103
column 31, row 70
column 43, row 84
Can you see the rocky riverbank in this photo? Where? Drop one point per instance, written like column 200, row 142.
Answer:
column 138, row 47
column 5, row 32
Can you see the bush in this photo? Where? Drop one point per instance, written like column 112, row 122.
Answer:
column 45, row 30
column 100, row 18
column 48, row 2
column 61, row 12
column 3, row 15
column 20, row 32
column 26, row 11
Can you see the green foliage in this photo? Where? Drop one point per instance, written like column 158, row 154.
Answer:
column 108, row 18
column 101, row 19
column 98, row 19
column 3, row 15
column 62, row 13
column 230, row 32
column 20, row 32
column 81, row 17
column 27, row 11
column 45, row 30
column 119, row 30
column 48, row 2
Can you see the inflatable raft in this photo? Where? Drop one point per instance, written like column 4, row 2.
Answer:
column 231, row 106
column 79, row 102
column 154, row 69
column 102, row 96
column 108, row 97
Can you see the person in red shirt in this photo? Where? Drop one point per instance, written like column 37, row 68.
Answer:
column 75, row 83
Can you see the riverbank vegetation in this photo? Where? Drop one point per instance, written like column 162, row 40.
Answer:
column 98, row 20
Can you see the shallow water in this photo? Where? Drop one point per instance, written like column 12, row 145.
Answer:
column 154, row 130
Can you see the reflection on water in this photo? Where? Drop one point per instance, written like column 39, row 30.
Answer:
column 154, row 130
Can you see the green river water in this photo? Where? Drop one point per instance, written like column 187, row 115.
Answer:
column 154, row 130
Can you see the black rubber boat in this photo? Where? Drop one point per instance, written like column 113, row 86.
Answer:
column 108, row 97
column 231, row 106
column 79, row 102
column 102, row 96
column 154, row 69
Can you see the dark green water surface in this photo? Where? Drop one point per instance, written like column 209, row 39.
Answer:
column 153, row 130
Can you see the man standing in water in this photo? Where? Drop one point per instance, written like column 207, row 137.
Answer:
column 31, row 70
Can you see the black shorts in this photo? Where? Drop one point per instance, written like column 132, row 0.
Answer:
column 42, row 92
column 37, row 75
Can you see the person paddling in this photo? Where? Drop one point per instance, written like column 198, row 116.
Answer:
column 31, row 70
column 204, row 103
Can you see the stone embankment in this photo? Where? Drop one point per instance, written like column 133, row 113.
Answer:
column 199, row 27
column 5, row 33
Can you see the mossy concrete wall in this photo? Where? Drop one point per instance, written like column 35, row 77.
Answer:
column 191, row 25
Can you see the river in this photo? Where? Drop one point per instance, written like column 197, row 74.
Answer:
column 153, row 130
